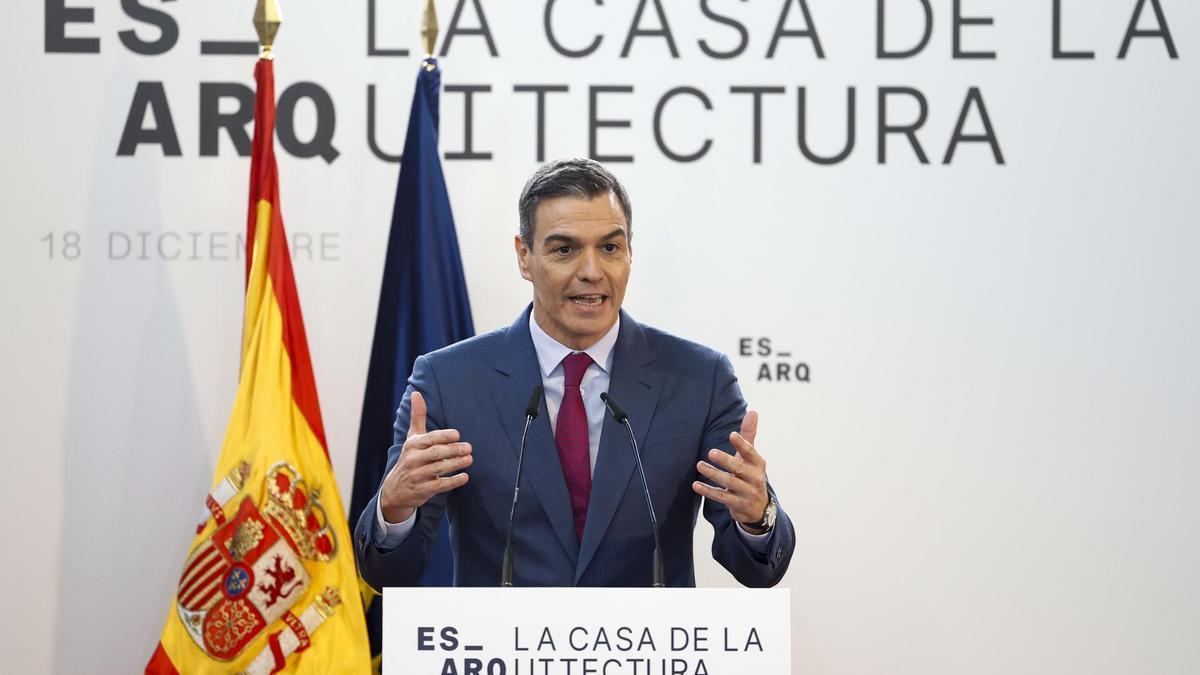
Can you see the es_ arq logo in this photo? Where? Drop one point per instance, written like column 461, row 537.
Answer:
column 774, row 364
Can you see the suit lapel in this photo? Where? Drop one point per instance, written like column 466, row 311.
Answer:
column 517, row 361
column 636, row 388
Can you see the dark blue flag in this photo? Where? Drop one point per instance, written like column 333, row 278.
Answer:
column 423, row 306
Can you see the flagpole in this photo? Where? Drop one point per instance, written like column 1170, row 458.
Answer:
column 429, row 33
column 266, row 21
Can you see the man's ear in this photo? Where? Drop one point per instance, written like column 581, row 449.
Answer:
column 522, row 257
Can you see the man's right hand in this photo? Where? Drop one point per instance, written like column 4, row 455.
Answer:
column 425, row 459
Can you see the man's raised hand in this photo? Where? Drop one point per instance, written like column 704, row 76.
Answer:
column 740, row 478
column 421, row 472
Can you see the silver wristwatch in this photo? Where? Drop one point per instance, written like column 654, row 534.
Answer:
column 768, row 520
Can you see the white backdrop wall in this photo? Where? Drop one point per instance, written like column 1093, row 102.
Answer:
column 993, row 465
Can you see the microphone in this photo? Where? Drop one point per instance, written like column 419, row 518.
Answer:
column 618, row 414
column 531, row 413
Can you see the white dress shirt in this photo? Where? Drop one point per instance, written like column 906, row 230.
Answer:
column 550, row 354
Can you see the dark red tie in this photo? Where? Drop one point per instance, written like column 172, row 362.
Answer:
column 571, row 437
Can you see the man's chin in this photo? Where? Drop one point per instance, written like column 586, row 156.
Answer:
column 591, row 328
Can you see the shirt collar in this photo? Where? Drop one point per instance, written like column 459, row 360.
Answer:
column 551, row 352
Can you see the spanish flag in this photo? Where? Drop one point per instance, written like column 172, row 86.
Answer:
column 269, row 584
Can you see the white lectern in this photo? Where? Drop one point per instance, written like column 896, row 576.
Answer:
column 586, row 631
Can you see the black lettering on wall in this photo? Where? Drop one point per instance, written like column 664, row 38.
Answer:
column 228, row 48
column 541, row 90
column 468, row 91
column 557, row 46
column 595, row 123
column 658, row 112
column 372, row 50
column 756, row 94
column 636, row 30
column 456, row 30
column 743, row 34
column 58, row 15
column 321, row 144
column 152, row 97
column 168, row 29
column 212, row 120
column 371, row 126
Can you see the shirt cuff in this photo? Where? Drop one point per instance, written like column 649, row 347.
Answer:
column 757, row 542
column 389, row 536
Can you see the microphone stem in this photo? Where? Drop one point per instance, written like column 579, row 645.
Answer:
column 506, row 574
column 659, row 572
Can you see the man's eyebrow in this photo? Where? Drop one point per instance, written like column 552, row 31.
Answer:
column 560, row 239
column 567, row 239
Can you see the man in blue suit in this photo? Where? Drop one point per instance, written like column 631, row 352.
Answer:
column 582, row 518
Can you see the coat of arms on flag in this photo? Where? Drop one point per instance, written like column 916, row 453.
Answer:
column 250, row 571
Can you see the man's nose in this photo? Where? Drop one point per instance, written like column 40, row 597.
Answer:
column 589, row 266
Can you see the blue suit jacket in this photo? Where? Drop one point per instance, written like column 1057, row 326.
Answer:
column 682, row 399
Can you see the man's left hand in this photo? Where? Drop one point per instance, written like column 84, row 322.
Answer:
column 741, row 479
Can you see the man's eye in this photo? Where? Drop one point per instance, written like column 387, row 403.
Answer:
column 611, row 248
column 563, row 250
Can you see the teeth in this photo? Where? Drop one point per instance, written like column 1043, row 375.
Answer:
column 588, row 299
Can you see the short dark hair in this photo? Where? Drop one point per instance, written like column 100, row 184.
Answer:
column 581, row 178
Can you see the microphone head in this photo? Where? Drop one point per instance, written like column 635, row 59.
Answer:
column 535, row 402
column 613, row 407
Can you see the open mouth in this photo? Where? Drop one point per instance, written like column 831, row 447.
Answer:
column 593, row 300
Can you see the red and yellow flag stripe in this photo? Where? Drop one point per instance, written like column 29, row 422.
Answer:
column 275, row 422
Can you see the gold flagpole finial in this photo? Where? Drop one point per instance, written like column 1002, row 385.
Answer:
column 429, row 31
column 266, row 22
